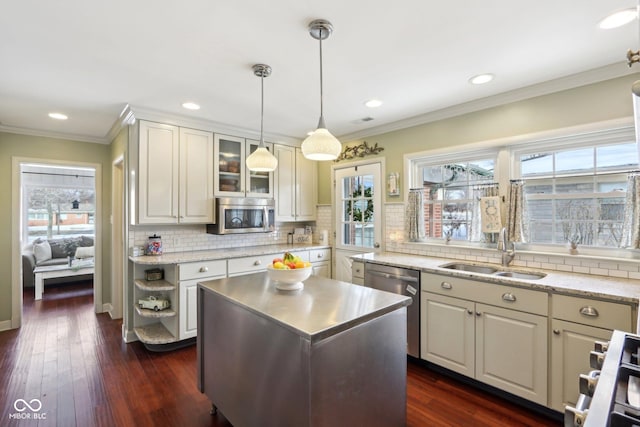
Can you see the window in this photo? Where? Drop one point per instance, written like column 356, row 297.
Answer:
column 450, row 196
column 577, row 193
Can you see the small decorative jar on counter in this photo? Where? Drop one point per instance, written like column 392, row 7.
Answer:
column 154, row 247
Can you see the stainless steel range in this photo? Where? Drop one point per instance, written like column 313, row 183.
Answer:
column 610, row 395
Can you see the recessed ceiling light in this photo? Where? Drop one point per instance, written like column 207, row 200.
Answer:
column 58, row 116
column 191, row 106
column 618, row 19
column 373, row 103
column 481, row 79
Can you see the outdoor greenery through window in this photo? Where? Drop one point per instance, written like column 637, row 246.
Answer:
column 357, row 199
column 450, row 197
column 577, row 194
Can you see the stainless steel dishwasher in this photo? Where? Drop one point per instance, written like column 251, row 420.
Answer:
column 404, row 282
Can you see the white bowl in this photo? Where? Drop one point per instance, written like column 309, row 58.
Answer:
column 289, row 280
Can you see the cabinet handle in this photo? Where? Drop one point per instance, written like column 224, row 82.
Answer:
column 509, row 297
column 589, row 311
column 478, row 313
column 469, row 311
column 556, row 331
column 446, row 285
column 257, row 262
column 204, row 269
column 320, row 255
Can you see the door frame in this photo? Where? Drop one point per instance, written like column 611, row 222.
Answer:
column 16, row 233
column 118, row 236
column 336, row 248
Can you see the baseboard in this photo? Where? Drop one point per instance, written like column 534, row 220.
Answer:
column 5, row 325
column 107, row 308
column 129, row 336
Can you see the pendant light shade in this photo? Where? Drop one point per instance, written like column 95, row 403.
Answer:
column 261, row 160
column 321, row 144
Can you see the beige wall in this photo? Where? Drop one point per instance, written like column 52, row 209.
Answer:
column 593, row 103
column 13, row 145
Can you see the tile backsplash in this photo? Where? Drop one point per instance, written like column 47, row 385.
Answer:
column 193, row 237
column 177, row 238
column 396, row 241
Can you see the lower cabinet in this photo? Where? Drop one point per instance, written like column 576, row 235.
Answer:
column 577, row 323
column 357, row 273
column 482, row 337
column 321, row 262
column 189, row 275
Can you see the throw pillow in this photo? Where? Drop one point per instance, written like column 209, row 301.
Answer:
column 58, row 249
column 42, row 251
column 86, row 241
column 84, row 252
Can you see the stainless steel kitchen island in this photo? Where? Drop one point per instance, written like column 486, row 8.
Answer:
column 332, row 353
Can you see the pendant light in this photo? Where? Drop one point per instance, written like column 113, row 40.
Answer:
column 321, row 145
column 261, row 160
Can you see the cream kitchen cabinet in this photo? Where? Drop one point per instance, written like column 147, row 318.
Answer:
column 295, row 185
column 493, row 333
column 231, row 176
column 357, row 272
column 254, row 264
column 189, row 274
column 321, row 262
column 577, row 323
column 174, row 175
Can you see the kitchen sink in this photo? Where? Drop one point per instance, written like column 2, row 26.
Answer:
column 483, row 269
column 470, row 267
column 520, row 275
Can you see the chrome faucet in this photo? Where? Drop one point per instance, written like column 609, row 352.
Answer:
column 503, row 243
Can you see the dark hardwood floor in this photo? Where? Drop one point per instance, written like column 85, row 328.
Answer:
column 75, row 363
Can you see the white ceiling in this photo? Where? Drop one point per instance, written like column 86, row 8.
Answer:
column 89, row 59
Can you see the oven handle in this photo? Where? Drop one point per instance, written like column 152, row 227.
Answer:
column 575, row 417
column 265, row 212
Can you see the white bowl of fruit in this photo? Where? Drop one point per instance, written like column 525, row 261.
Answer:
column 289, row 272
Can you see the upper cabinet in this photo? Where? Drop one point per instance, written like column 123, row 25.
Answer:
column 175, row 175
column 295, row 185
column 231, row 176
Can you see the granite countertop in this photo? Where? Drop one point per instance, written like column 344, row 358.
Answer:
column 225, row 253
column 322, row 308
column 582, row 285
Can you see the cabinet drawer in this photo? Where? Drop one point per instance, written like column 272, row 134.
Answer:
column 357, row 270
column 602, row 314
column 250, row 264
column 515, row 298
column 317, row 255
column 202, row 269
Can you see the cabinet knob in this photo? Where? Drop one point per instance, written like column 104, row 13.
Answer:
column 257, row 262
column 204, row 269
column 320, row 255
column 469, row 311
column 590, row 311
column 556, row 331
column 509, row 297
column 446, row 285
column 478, row 313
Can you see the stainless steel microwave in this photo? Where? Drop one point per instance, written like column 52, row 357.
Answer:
column 243, row 215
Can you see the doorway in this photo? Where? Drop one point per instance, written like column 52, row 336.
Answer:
column 70, row 209
column 358, row 213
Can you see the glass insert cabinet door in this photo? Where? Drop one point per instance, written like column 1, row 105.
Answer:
column 229, row 165
column 259, row 184
column 358, row 208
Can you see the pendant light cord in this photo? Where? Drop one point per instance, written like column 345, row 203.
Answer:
column 321, row 92
column 261, row 109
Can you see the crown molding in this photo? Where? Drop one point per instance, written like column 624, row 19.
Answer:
column 140, row 113
column 596, row 75
column 56, row 135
